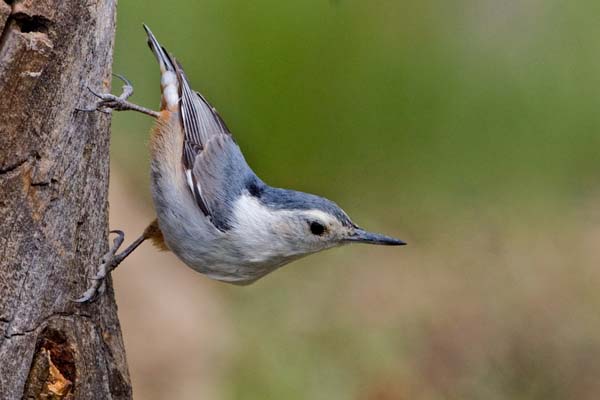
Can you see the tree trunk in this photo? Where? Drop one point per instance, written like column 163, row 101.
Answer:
column 53, row 203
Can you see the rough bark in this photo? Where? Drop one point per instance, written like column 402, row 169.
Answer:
column 53, row 203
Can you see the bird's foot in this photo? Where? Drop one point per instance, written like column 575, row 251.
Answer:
column 109, row 102
column 109, row 261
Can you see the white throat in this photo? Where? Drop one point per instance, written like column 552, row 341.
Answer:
column 268, row 235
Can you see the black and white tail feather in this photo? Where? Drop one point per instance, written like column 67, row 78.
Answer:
column 164, row 60
column 201, row 122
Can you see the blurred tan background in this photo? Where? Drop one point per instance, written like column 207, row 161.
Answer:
column 470, row 129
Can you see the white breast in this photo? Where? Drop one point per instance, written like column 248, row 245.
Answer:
column 261, row 232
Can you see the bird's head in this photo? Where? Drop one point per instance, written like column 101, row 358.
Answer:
column 320, row 228
column 290, row 224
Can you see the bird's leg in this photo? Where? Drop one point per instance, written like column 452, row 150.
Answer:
column 110, row 102
column 110, row 261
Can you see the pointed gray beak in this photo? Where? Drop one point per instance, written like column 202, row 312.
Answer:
column 362, row 236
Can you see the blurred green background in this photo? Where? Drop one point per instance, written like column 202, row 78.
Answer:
column 469, row 129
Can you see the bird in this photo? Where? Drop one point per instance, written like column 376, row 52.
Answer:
column 212, row 211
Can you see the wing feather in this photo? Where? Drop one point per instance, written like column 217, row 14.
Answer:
column 214, row 166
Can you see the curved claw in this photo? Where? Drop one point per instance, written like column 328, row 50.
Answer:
column 118, row 240
column 94, row 93
column 88, row 296
column 127, row 87
column 109, row 102
column 123, row 79
column 98, row 285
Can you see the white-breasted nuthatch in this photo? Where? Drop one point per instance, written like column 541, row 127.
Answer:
column 212, row 210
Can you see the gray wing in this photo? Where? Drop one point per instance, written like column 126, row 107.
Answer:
column 222, row 175
column 201, row 121
column 216, row 170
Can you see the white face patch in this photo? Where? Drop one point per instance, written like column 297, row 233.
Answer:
column 267, row 234
column 322, row 217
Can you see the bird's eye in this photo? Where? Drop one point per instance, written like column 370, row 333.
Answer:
column 317, row 228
